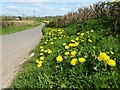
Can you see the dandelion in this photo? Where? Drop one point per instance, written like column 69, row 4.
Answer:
column 59, row 58
column 41, row 47
column 78, row 33
column 72, row 40
column 71, row 44
column 42, row 58
column 73, row 53
column 41, row 53
column 39, row 64
column 73, row 61
column 76, row 43
column 81, row 60
column 64, row 44
column 111, row 52
column 111, row 62
column 49, row 51
column 46, row 51
column 90, row 40
column 103, row 56
column 42, row 50
column 37, row 61
column 51, row 43
column 82, row 34
column 92, row 30
column 66, row 53
column 67, row 47
column 77, row 39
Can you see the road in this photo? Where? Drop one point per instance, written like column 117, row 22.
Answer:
column 15, row 50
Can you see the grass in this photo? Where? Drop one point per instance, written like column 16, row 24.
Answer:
column 18, row 27
column 92, row 62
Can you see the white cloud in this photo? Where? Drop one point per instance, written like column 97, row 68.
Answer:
column 11, row 7
column 65, row 9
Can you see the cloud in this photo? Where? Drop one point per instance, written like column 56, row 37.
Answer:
column 11, row 7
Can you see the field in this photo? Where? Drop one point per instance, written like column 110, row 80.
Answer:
column 16, row 26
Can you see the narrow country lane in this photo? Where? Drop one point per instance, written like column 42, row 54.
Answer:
column 15, row 48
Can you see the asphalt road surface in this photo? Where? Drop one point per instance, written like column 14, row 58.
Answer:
column 15, row 48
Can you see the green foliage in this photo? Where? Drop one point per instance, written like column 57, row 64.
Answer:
column 93, row 38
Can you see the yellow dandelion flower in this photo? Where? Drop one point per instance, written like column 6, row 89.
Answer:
column 59, row 58
column 39, row 64
column 42, row 50
column 42, row 58
column 78, row 33
column 71, row 44
column 52, row 43
column 73, row 53
column 90, row 40
column 64, row 44
column 67, row 47
column 37, row 61
column 41, row 53
column 49, row 51
column 72, row 40
column 111, row 62
column 46, row 51
column 41, row 47
column 81, row 60
column 73, row 61
column 92, row 30
column 77, row 39
column 66, row 53
column 82, row 34
column 111, row 52
column 76, row 43
column 103, row 56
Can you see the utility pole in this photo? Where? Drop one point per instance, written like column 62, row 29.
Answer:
column 34, row 14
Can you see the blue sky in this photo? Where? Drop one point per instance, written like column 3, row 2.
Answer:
column 43, row 8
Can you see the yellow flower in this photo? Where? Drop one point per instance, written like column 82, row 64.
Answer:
column 90, row 40
column 92, row 30
column 82, row 34
column 49, row 51
column 37, row 61
column 46, row 51
column 45, row 42
column 64, row 44
column 76, row 43
column 42, row 50
column 39, row 64
column 73, row 61
column 111, row 52
column 82, row 60
column 73, row 53
column 67, row 53
column 71, row 44
column 42, row 58
column 67, row 47
column 78, row 33
column 111, row 62
column 41, row 53
column 87, row 32
column 77, row 39
column 103, row 56
column 41, row 47
column 59, row 58
column 51, row 43
column 72, row 40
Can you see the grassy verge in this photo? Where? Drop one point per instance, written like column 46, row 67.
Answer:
column 78, row 56
column 17, row 28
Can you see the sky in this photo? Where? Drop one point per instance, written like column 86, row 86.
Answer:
column 42, row 7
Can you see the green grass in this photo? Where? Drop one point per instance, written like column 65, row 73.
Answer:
column 17, row 28
column 90, row 74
